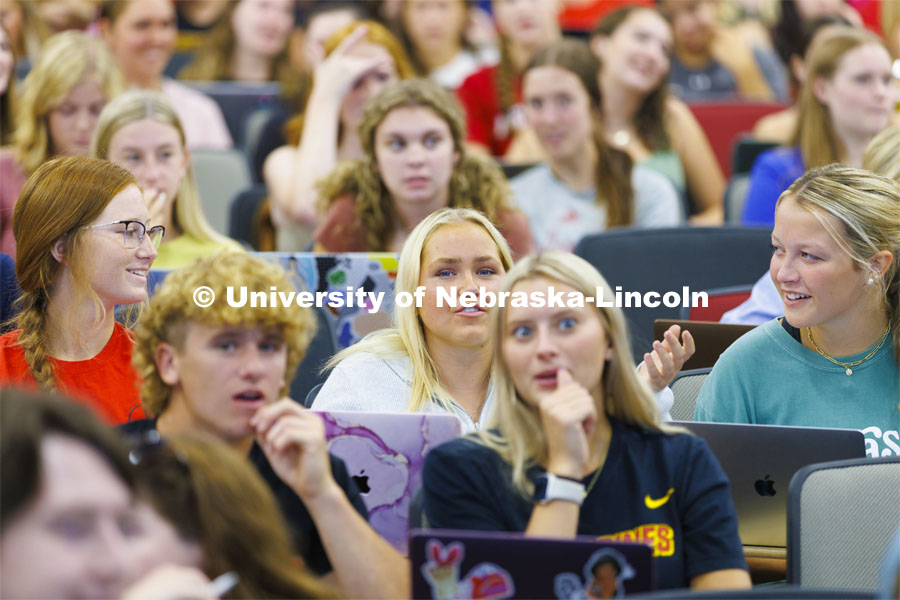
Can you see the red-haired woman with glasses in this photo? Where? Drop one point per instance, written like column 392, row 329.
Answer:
column 85, row 246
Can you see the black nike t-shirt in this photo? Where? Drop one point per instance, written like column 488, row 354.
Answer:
column 666, row 490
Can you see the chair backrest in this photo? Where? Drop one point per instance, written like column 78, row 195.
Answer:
column 243, row 214
column 721, row 300
column 511, row 171
column 237, row 100
column 841, row 517
column 253, row 129
column 686, row 387
column 311, row 396
column 724, row 122
column 220, row 174
column 321, row 348
column 735, row 197
column 746, row 149
column 664, row 260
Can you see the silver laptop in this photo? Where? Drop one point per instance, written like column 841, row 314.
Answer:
column 760, row 461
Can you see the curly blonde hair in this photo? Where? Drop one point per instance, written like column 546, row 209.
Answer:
column 476, row 182
column 173, row 307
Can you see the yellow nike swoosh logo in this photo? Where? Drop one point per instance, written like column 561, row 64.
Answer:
column 654, row 504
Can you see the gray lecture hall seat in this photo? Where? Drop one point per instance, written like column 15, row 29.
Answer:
column 663, row 260
column 321, row 348
column 243, row 215
column 220, row 175
column 686, row 387
column 841, row 517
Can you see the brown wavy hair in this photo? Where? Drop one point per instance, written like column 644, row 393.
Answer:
column 213, row 496
column 476, row 182
column 613, row 168
column 61, row 197
column 650, row 118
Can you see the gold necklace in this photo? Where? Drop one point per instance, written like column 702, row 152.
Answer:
column 847, row 366
column 590, row 486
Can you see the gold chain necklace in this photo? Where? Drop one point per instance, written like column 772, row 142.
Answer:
column 590, row 486
column 847, row 366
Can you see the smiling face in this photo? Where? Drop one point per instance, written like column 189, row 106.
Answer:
column 461, row 255
column 153, row 152
column 559, row 109
column 221, row 375
column 538, row 341
column 261, row 27
column 636, row 55
column 859, row 95
column 142, row 39
column 71, row 122
column 817, row 280
column 73, row 540
column 118, row 275
column 415, row 156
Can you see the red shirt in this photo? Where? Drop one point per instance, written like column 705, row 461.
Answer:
column 486, row 123
column 108, row 382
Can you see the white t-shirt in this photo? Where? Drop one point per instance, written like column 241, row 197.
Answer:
column 559, row 217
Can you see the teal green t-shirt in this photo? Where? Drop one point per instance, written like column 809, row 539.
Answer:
column 768, row 377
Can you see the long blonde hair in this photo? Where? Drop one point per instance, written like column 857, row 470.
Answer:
column 187, row 211
column 814, row 133
column 407, row 339
column 476, row 182
column 61, row 197
column 867, row 206
column 66, row 60
column 515, row 431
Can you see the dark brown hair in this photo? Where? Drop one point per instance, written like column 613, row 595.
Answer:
column 26, row 419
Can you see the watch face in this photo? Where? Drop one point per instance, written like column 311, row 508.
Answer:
column 540, row 488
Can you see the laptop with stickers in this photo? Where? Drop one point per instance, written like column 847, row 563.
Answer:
column 471, row 564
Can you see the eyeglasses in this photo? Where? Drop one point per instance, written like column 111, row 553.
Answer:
column 133, row 236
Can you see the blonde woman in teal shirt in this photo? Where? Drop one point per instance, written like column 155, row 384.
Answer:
column 832, row 360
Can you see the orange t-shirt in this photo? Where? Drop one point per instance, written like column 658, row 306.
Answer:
column 108, row 382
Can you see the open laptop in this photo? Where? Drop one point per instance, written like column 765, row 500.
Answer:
column 474, row 564
column 384, row 454
column 711, row 339
column 760, row 461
